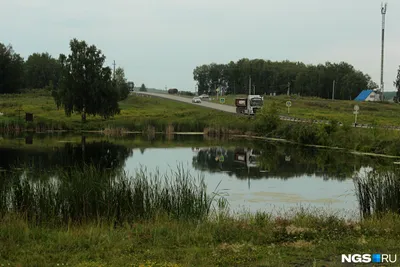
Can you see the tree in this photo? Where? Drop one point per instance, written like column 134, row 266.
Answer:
column 201, row 75
column 143, row 88
column 268, row 119
column 86, row 86
column 121, row 83
column 11, row 70
column 371, row 84
column 41, row 70
column 274, row 77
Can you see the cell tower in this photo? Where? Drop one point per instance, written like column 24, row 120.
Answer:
column 383, row 12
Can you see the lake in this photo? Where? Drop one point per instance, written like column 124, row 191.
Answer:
column 252, row 175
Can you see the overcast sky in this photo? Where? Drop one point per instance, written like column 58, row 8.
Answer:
column 159, row 43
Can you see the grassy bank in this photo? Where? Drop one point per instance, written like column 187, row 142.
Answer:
column 90, row 218
column 252, row 240
column 150, row 115
column 326, row 109
column 137, row 114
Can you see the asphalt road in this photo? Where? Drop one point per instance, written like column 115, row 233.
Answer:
column 203, row 103
column 232, row 109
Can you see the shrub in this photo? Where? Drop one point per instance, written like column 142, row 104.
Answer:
column 267, row 120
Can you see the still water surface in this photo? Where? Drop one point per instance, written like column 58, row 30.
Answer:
column 254, row 175
column 269, row 192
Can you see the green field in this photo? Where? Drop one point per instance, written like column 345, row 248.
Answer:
column 339, row 110
column 136, row 114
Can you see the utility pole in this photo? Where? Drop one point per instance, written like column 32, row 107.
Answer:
column 249, row 85
column 288, row 88
column 114, row 69
column 383, row 12
column 254, row 89
column 333, row 90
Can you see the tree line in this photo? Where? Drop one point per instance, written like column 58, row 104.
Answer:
column 282, row 77
column 79, row 82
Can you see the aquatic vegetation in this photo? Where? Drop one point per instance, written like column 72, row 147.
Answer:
column 89, row 194
column 378, row 192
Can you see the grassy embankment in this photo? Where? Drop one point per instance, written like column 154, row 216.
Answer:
column 137, row 114
column 150, row 115
column 135, row 221
column 326, row 109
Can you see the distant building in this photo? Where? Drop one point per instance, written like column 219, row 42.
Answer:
column 368, row 95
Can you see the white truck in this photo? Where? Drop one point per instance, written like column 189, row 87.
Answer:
column 249, row 105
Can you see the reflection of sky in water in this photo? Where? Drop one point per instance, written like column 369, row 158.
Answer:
column 262, row 194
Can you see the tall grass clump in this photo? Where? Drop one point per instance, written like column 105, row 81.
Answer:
column 378, row 193
column 87, row 194
column 268, row 119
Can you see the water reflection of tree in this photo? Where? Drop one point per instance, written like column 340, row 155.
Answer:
column 103, row 155
column 286, row 161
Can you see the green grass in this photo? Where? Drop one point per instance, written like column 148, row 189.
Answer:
column 137, row 113
column 89, row 218
column 303, row 239
column 339, row 110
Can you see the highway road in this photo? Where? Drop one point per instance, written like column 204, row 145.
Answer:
column 221, row 107
column 232, row 109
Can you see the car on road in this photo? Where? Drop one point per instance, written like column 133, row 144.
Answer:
column 196, row 100
column 204, row 97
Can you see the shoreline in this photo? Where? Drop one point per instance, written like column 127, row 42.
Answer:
column 251, row 136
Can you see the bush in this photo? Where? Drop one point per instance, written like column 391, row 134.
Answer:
column 308, row 134
column 267, row 120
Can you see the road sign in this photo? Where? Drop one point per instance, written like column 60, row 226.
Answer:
column 288, row 104
column 355, row 112
column 222, row 100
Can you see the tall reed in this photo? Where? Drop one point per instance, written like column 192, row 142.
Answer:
column 378, row 192
column 87, row 194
